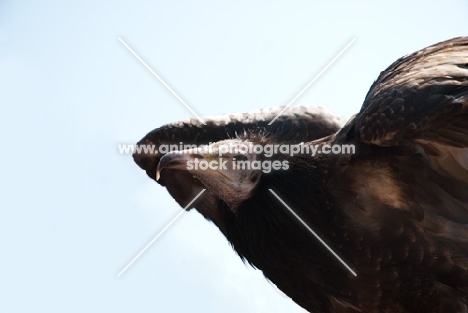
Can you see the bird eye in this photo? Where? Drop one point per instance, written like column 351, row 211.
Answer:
column 241, row 157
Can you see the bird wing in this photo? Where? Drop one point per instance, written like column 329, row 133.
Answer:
column 422, row 99
column 418, row 108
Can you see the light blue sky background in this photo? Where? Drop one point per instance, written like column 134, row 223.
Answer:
column 74, row 212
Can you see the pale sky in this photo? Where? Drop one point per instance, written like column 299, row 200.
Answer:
column 75, row 212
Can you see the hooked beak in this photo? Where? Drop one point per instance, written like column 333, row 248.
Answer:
column 175, row 160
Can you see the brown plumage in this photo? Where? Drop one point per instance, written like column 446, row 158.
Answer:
column 396, row 210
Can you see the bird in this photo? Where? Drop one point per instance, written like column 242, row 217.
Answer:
column 393, row 209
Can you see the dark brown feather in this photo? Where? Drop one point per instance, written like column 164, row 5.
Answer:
column 396, row 211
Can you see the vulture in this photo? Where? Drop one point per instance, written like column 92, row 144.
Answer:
column 394, row 209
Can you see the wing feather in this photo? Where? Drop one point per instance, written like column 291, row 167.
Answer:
column 422, row 99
